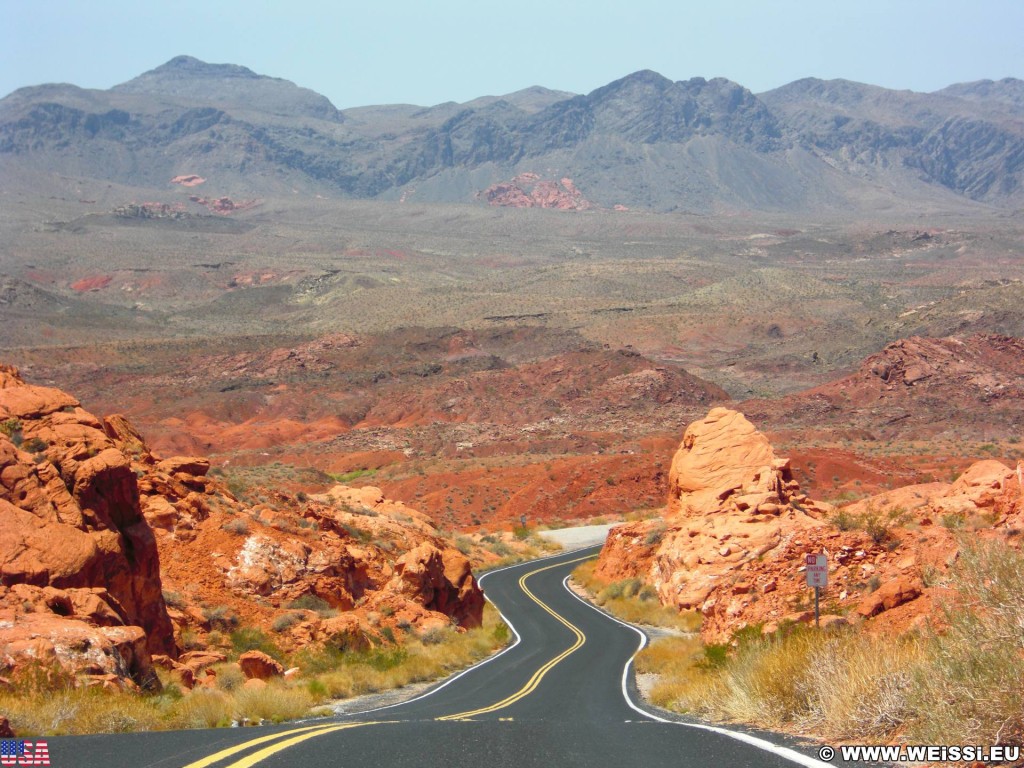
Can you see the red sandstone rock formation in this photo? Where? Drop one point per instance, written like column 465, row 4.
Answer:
column 85, row 508
column 528, row 190
column 188, row 180
column 73, row 540
column 737, row 527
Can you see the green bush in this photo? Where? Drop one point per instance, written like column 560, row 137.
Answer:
column 255, row 639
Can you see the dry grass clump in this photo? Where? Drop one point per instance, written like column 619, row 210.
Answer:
column 203, row 708
column 273, row 703
column 972, row 688
column 75, row 711
column 419, row 659
column 48, row 704
column 633, row 601
column 839, row 684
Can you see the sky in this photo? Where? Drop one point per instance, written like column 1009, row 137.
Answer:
column 431, row 51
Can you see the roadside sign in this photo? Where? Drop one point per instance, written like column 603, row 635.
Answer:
column 817, row 570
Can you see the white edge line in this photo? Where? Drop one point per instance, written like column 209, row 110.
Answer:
column 784, row 752
column 479, row 664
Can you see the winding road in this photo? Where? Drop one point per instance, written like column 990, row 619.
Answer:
column 560, row 695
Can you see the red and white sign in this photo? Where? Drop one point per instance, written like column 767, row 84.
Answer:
column 817, row 570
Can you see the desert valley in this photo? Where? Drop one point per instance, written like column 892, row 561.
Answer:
column 279, row 381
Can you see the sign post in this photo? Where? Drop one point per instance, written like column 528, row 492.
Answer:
column 817, row 577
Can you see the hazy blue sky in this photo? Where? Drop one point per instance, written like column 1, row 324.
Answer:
column 425, row 52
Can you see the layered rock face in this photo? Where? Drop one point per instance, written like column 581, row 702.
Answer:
column 731, row 502
column 79, row 567
column 95, row 530
column 737, row 528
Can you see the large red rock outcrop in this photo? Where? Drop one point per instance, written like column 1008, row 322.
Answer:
column 733, row 506
column 71, row 528
column 737, row 528
column 528, row 190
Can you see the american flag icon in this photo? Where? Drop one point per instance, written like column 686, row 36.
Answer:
column 18, row 752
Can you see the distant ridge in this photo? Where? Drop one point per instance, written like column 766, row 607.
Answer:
column 640, row 142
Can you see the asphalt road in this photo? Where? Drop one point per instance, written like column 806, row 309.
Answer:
column 559, row 696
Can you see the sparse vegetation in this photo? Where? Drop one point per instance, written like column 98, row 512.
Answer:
column 633, row 601
column 958, row 685
column 310, row 602
column 49, row 704
column 345, row 478
column 237, row 525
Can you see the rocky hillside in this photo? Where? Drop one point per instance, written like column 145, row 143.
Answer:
column 111, row 556
column 643, row 141
column 919, row 388
column 736, row 529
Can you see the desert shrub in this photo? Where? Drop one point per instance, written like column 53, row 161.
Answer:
column 634, row 601
column 843, row 520
column 876, row 528
column 190, row 640
column 237, row 525
column 204, row 708
column 273, row 703
column 220, row 617
column 952, row 521
column 255, row 639
column 363, row 537
column 310, row 602
column 435, row 635
column 838, row 683
column 34, row 445
column 654, row 536
column 647, row 592
column 286, row 621
column 500, row 548
column 229, row 677
column 174, row 599
column 347, row 477
column 12, row 428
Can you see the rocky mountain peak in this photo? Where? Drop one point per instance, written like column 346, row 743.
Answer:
column 189, row 78
column 193, row 67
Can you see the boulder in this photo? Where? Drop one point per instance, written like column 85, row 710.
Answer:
column 735, row 518
column 188, row 465
column 723, row 460
column 888, row 596
column 259, row 665
column 440, row 581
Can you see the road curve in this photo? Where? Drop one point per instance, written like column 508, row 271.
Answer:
column 557, row 696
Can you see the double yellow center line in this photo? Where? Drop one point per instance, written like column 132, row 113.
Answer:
column 287, row 739
column 537, row 676
column 262, row 754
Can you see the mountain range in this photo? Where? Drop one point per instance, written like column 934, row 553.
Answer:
column 641, row 142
